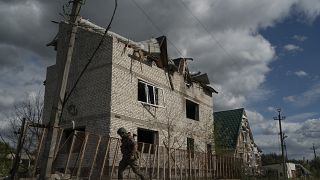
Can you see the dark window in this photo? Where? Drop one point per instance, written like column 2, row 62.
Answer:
column 192, row 110
column 209, row 148
column 146, row 140
column 190, row 146
column 77, row 134
column 142, row 96
column 148, row 93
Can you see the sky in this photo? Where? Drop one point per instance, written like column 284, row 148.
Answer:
column 259, row 54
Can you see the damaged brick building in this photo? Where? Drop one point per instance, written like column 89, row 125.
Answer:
column 133, row 85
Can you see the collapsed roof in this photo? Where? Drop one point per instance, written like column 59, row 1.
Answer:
column 154, row 49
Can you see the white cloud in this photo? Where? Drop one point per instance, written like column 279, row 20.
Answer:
column 305, row 98
column 301, row 117
column 272, row 109
column 289, row 98
column 300, row 38
column 301, row 73
column 310, row 8
column 254, row 117
column 292, row 47
column 237, row 70
column 300, row 129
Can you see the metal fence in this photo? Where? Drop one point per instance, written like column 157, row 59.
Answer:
column 82, row 155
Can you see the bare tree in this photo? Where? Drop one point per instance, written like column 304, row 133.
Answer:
column 174, row 129
column 31, row 108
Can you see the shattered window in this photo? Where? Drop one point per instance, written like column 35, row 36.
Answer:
column 146, row 140
column 148, row 93
column 142, row 96
column 192, row 110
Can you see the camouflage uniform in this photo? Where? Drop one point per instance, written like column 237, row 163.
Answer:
column 130, row 157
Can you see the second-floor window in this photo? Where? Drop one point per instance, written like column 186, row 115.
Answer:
column 148, row 93
column 192, row 110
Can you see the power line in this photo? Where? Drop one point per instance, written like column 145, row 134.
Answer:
column 157, row 27
column 207, row 30
column 91, row 57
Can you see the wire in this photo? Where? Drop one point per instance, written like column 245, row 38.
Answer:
column 206, row 29
column 91, row 57
column 157, row 27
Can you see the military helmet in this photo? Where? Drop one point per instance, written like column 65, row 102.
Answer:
column 121, row 131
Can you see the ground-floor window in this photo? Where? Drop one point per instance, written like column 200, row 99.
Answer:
column 68, row 134
column 146, row 140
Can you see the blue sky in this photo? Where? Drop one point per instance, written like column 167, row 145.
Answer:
column 294, row 71
column 293, row 82
column 259, row 54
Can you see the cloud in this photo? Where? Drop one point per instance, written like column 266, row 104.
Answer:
column 301, row 117
column 300, row 38
column 292, row 47
column 239, row 68
column 302, row 130
column 310, row 9
column 289, row 98
column 306, row 98
column 272, row 109
column 254, row 117
column 301, row 73
column 230, row 48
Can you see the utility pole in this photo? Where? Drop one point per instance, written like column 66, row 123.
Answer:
column 285, row 146
column 51, row 138
column 314, row 151
column 280, row 118
column 16, row 162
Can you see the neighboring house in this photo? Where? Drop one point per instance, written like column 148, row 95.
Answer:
column 134, row 85
column 293, row 171
column 233, row 137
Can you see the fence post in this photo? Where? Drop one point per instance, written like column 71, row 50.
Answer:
column 95, row 157
column 114, row 158
column 58, row 144
column 164, row 163
column 105, row 157
column 175, row 164
column 148, row 159
column 82, row 155
column 38, row 152
column 154, row 159
column 70, row 152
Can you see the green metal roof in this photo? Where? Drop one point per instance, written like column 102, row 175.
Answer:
column 226, row 129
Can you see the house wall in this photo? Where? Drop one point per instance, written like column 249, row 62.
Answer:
column 290, row 168
column 105, row 98
column 246, row 148
column 128, row 112
column 92, row 96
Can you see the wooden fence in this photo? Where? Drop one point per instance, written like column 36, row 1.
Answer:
column 87, row 156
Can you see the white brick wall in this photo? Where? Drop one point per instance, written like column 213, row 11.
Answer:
column 106, row 96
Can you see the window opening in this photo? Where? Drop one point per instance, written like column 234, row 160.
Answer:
column 148, row 93
column 68, row 135
column 192, row 110
column 148, row 137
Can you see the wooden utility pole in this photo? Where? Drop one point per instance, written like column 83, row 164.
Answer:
column 51, row 138
column 285, row 146
column 280, row 118
column 314, row 151
column 17, row 158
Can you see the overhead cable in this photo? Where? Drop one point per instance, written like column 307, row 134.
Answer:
column 91, row 57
